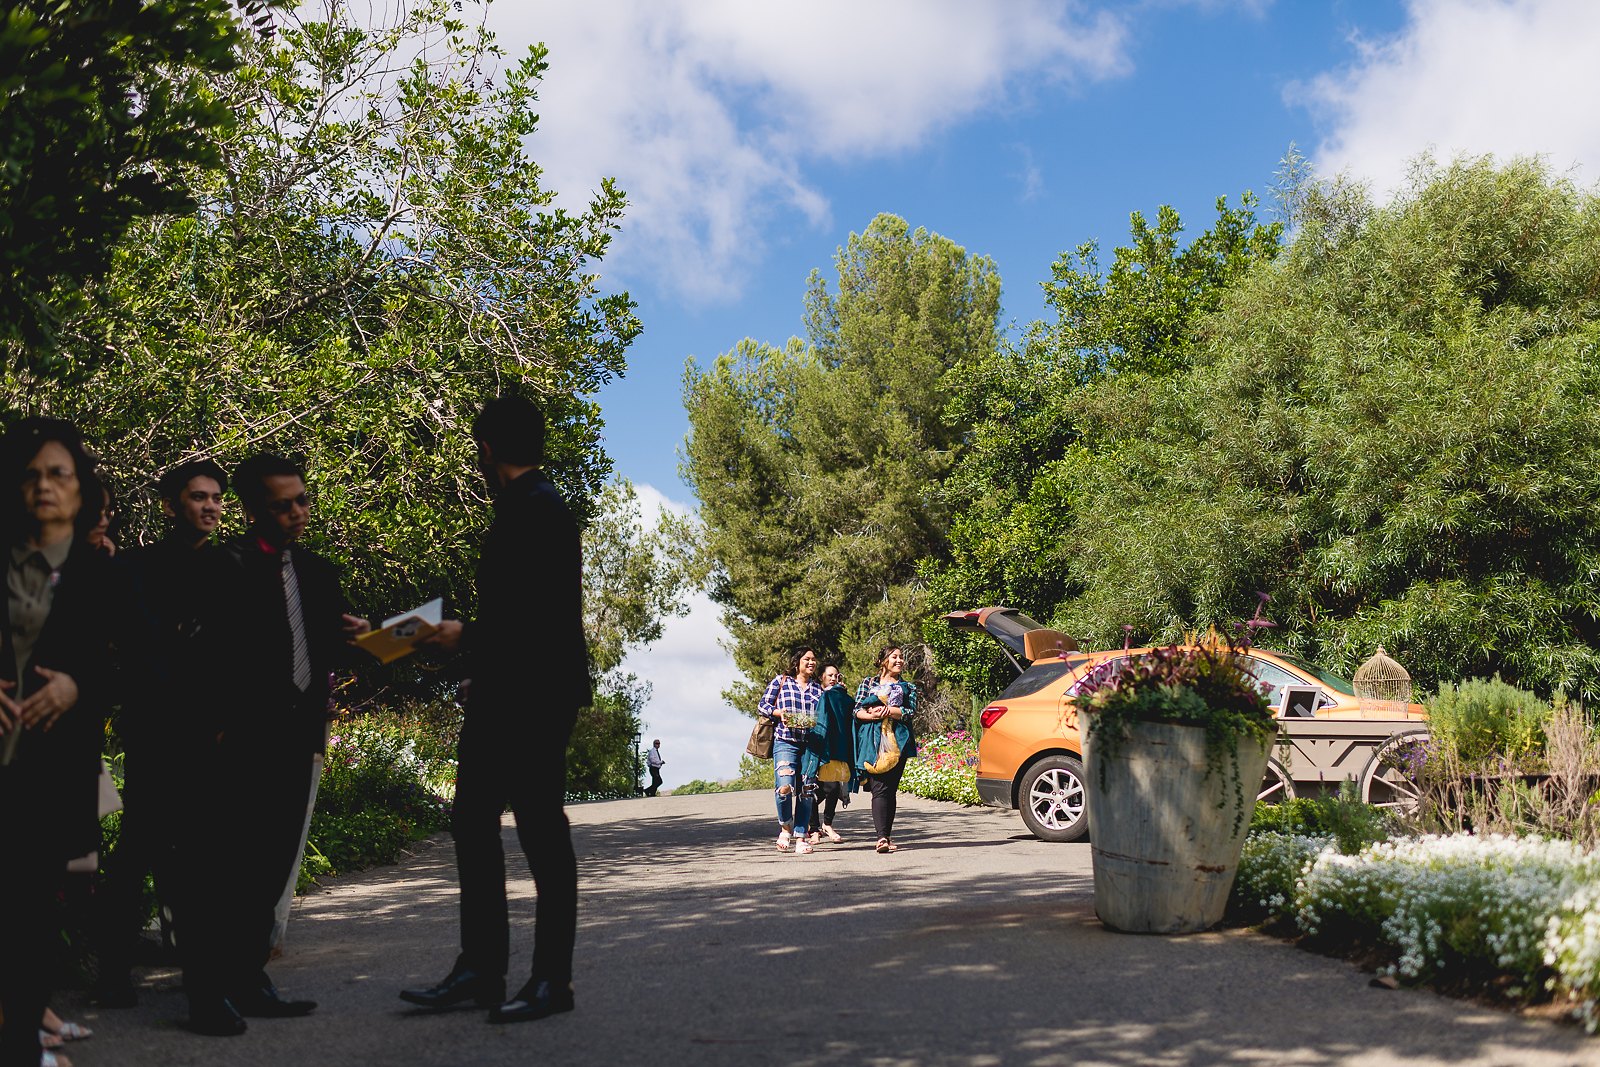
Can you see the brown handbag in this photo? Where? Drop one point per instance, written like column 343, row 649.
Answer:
column 760, row 743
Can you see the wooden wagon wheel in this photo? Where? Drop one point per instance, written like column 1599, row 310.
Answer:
column 1277, row 786
column 1390, row 778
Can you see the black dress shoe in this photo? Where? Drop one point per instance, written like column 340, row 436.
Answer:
column 460, row 987
column 536, row 1000
column 215, row 1018
column 267, row 1004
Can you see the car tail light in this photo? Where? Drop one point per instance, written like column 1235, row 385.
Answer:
column 991, row 715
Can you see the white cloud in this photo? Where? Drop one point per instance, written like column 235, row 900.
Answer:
column 708, row 111
column 701, row 737
column 1507, row 77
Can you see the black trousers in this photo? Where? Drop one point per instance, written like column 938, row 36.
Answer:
column 155, row 815
column 236, row 869
column 885, row 796
column 495, row 770
column 830, row 794
column 655, row 782
column 29, row 939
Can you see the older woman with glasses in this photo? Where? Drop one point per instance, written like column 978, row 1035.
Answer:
column 53, row 679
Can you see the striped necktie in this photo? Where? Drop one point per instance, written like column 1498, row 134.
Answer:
column 297, row 625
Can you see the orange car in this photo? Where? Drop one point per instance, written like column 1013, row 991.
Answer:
column 1030, row 754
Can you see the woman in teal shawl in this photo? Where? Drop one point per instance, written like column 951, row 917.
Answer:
column 833, row 740
column 884, row 708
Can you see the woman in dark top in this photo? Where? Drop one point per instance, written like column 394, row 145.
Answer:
column 886, row 700
column 831, row 756
column 54, row 669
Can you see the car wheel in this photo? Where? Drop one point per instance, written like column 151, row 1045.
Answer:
column 1051, row 798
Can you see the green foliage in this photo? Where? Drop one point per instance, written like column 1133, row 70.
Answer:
column 1486, row 720
column 1343, row 817
column 1015, row 488
column 383, row 783
column 1389, row 428
column 817, row 465
column 108, row 107
column 753, row 774
column 376, row 258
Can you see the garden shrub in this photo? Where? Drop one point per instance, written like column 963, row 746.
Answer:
column 1345, row 819
column 1483, row 721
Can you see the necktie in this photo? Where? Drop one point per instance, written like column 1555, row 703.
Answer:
column 297, row 625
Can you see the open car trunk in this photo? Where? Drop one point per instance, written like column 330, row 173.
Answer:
column 1024, row 639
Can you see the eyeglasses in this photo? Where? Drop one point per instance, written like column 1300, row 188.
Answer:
column 283, row 507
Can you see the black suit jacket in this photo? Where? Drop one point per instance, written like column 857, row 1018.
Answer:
column 526, row 649
column 176, row 655
column 270, row 711
column 48, row 795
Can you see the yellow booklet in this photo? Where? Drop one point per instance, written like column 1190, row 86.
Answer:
column 399, row 635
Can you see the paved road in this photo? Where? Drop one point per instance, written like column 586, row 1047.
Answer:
column 700, row 944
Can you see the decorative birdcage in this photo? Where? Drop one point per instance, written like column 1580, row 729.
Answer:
column 1382, row 686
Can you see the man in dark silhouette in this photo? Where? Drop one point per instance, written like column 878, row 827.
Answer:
column 173, row 673
column 513, row 745
column 291, row 627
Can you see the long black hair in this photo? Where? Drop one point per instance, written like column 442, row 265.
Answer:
column 21, row 443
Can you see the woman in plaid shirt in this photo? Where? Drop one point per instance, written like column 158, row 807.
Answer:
column 793, row 694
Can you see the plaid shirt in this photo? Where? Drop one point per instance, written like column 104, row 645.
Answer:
column 787, row 695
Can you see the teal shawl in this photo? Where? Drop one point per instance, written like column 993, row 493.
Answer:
column 834, row 736
column 868, row 733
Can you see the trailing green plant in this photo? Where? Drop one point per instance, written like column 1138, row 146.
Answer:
column 1206, row 686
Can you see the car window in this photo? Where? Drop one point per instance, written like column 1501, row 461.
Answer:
column 1099, row 675
column 1270, row 674
column 1037, row 677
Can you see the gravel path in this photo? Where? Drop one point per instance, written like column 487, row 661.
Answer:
column 700, row 944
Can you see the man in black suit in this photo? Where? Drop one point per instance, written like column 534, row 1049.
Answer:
column 173, row 672
column 513, row 747
column 291, row 629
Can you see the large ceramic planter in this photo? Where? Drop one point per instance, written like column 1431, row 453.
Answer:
column 1166, row 836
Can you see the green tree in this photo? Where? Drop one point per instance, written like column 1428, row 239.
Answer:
column 635, row 575
column 1391, row 430
column 106, row 107
column 817, row 465
column 376, row 258
column 1012, row 495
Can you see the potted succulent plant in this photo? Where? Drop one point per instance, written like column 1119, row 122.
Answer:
column 1175, row 749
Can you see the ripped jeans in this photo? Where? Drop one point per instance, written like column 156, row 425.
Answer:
column 794, row 797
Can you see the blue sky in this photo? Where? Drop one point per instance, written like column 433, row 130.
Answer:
column 753, row 137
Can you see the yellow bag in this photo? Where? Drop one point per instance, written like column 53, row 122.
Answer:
column 835, row 770
column 888, row 750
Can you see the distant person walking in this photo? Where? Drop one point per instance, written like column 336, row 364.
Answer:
column 513, row 747
column 885, row 704
column 831, row 758
column 653, row 757
column 791, row 701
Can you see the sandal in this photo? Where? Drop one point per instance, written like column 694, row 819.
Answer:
column 892, row 847
column 833, row 835
column 883, row 844
column 50, row 1040
column 71, row 1031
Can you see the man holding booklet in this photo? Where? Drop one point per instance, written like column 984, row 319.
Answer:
column 513, row 747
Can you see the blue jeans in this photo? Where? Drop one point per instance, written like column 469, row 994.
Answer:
column 794, row 800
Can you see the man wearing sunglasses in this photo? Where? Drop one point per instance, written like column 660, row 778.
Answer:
column 292, row 628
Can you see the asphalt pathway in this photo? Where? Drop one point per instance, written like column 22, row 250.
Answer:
column 700, row 944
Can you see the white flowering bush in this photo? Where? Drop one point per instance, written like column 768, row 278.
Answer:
column 1572, row 950
column 1459, row 905
column 1270, row 869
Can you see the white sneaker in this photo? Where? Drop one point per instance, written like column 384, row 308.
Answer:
column 802, row 847
column 784, row 838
